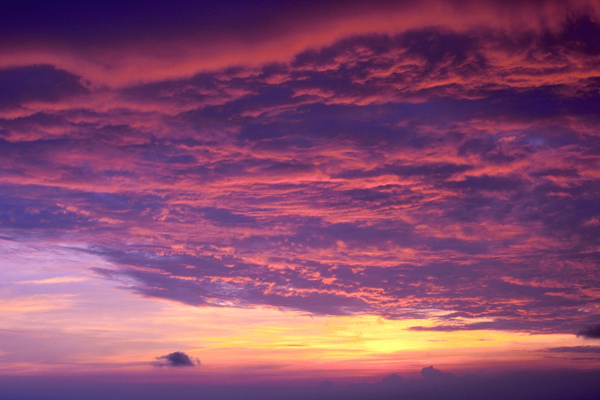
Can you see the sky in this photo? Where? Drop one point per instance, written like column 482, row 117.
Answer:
column 293, row 192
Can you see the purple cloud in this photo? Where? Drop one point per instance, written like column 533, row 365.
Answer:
column 590, row 332
column 574, row 349
column 46, row 83
column 438, row 168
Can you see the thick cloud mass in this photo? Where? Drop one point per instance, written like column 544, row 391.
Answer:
column 434, row 173
column 590, row 332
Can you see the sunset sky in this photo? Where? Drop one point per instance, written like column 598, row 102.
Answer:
column 275, row 192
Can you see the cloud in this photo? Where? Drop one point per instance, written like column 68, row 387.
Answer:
column 574, row 349
column 176, row 359
column 391, row 381
column 416, row 173
column 590, row 332
column 432, row 374
column 233, row 33
column 45, row 83
column 19, row 213
column 578, row 33
column 56, row 280
column 559, row 385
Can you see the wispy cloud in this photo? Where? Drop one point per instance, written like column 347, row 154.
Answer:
column 56, row 280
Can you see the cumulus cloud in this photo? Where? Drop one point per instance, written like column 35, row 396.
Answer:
column 392, row 380
column 432, row 374
column 176, row 359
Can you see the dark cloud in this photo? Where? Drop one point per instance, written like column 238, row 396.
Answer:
column 45, row 83
column 22, row 214
column 590, row 332
column 224, row 216
column 159, row 156
column 557, row 172
column 449, row 48
column 487, row 183
column 323, row 288
column 574, row 349
column 176, row 359
column 434, row 170
column 432, row 374
column 578, row 34
column 392, row 380
column 210, row 285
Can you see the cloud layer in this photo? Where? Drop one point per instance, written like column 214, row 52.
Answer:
column 441, row 171
column 539, row 384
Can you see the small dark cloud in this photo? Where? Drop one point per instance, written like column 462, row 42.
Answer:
column 590, row 332
column 176, row 359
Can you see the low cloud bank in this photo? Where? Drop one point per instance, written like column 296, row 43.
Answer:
column 555, row 385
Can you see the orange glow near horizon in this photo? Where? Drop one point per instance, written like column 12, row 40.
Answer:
column 261, row 343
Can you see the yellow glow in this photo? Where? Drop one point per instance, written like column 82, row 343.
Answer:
column 94, row 325
column 277, row 337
